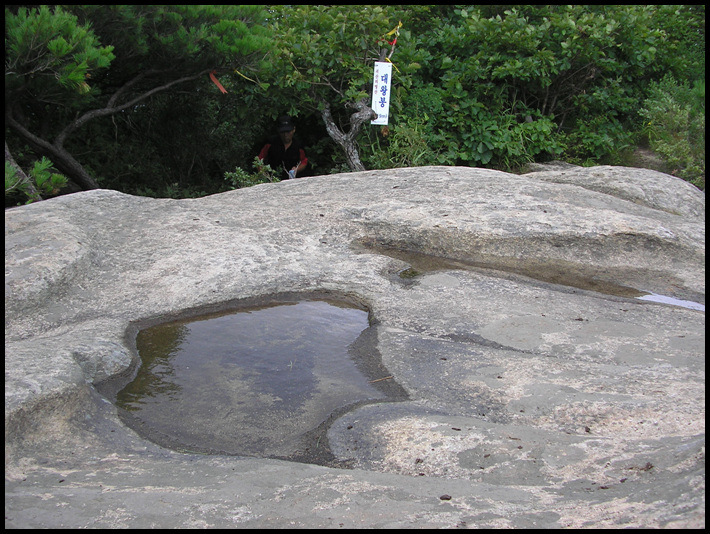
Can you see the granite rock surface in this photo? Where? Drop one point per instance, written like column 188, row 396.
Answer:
column 543, row 388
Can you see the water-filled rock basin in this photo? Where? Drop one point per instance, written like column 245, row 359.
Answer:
column 262, row 381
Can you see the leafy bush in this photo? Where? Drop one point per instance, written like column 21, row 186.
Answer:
column 600, row 139
column 522, row 141
column 240, row 178
column 402, row 145
column 675, row 125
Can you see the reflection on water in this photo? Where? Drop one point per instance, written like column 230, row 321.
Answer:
column 157, row 348
column 652, row 297
column 249, row 382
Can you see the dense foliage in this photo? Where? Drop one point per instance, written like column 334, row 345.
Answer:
column 675, row 125
column 120, row 96
column 124, row 97
column 504, row 85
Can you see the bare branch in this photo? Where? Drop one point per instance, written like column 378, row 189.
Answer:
column 112, row 108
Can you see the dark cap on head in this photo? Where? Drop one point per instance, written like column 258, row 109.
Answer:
column 284, row 124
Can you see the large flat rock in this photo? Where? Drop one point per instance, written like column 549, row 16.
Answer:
column 541, row 391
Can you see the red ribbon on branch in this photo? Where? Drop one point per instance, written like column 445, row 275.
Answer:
column 216, row 82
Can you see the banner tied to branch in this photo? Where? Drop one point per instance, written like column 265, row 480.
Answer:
column 216, row 82
column 381, row 89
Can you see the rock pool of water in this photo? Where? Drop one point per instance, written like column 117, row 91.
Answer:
column 560, row 273
column 259, row 382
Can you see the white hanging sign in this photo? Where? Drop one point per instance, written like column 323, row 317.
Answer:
column 381, row 89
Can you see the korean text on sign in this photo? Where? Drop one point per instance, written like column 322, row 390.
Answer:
column 381, row 89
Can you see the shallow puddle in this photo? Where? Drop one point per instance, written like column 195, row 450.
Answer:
column 559, row 272
column 261, row 382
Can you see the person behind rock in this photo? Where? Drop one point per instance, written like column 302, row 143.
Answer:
column 283, row 153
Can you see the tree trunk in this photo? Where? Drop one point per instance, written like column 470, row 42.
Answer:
column 61, row 159
column 348, row 141
column 31, row 189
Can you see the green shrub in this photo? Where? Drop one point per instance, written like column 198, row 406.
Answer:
column 240, row 178
column 401, row 145
column 601, row 139
column 674, row 116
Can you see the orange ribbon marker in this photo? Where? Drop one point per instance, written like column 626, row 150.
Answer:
column 216, row 82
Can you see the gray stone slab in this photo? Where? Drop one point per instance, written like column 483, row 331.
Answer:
column 539, row 391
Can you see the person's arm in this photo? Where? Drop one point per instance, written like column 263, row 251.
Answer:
column 302, row 163
column 264, row 151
